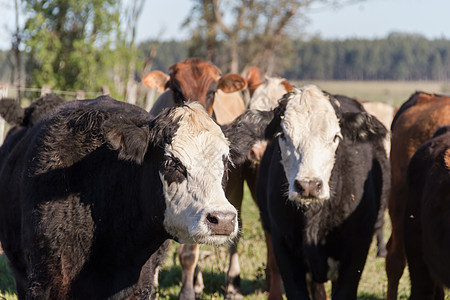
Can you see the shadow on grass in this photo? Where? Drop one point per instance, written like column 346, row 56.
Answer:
column 7, row 283
column 170, row 282
column 366, row 296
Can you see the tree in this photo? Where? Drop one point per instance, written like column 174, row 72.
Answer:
column 70, row 42
column 258, row 30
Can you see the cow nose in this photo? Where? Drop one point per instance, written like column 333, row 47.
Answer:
column 309, row 187
column 221, row 223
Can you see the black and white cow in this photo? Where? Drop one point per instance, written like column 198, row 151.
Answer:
column 320, row 188
column 91, row 191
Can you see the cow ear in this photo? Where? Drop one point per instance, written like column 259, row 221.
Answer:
column 129, row 139
column 11, row 111
column 247, row 131
column 361, row 126
column 232, row 83
column 253, row 79
column 156, row 79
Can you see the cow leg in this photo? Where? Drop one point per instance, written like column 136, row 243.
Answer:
column 188, row 255
column 381, row 245
column 275, row 285
column 292, row 270
column 423, row 286
column 395, row 257
column 234, row 192
column 317, row 290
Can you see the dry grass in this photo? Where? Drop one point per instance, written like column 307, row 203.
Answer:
column 391, row 92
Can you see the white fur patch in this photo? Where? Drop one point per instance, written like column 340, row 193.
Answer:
column 266, row 96
column 309, row 140
column 200, row 146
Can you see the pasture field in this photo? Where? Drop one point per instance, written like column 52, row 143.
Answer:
column 391, row 92
column 252, row 248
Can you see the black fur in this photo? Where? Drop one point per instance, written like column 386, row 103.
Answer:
column 341, row 228
column 11, row 111
column 249, row 128
column 81, row 200
column 427, row 223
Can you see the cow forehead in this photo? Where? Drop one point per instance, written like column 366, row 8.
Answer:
column 310, row 113
column 266, row 95
column 198, row 140
column 195, row 69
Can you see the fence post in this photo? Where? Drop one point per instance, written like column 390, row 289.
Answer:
column 80, row 95
column 45, row 90
column 3, row 94
column 105, row 90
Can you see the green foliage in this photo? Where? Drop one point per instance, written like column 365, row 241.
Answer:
column 70, row 42
column 7, row 283
column 398, row 57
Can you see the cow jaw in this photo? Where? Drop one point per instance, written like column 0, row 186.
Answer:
column 308, row 143
column 195, row 201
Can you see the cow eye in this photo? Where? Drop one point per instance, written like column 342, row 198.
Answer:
column 173, row 165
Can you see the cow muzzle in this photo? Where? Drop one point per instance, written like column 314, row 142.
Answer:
column 221, row 223
column 308, row 187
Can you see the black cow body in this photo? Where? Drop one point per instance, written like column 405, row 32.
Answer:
column 91, row 190
column 328, row 239
column 62, row 227
column 427, row 223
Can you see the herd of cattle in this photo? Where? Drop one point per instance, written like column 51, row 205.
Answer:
column 92, row 191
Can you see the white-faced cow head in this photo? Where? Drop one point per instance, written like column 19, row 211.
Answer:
column 191, row 173
column 312, row 128
column 308, row 141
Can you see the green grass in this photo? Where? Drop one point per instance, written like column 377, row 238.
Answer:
column 7, row 284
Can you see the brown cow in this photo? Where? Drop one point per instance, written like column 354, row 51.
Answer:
column 427, row 226
column 197, row 80
column 414, row 123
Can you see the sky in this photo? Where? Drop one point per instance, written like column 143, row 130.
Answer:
column 364, row 19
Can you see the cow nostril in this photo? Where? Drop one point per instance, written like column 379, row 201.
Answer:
column 221, row 223
column 212, row 219
column 298, row 186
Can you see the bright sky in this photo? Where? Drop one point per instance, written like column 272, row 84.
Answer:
column 366, row 19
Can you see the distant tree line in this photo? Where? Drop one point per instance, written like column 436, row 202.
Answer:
column 398, row 57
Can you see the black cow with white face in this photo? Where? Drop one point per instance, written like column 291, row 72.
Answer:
column 93, row 189
column 320, row 188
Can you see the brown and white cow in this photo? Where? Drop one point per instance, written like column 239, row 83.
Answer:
column 427, row 218
column 414, row 123
column 197, row 80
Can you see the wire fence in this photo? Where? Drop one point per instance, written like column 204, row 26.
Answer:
column 12, row 91
column 5, row 89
